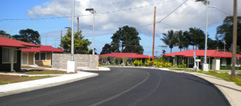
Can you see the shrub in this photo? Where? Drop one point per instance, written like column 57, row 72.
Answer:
column 137, row 62
column 125, row 60
column 167, row 64
column 118, row 61
column 114, row 61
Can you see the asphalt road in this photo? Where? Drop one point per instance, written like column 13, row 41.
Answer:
column 125, row 87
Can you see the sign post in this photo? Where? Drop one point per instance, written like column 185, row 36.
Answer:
column 195, row 66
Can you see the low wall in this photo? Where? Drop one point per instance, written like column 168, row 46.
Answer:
column 82, row 60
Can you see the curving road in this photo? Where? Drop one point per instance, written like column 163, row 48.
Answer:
column 125, row 87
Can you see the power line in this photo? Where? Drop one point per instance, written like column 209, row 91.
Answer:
column 128, row 9
column 172, row 12
column 133, row 8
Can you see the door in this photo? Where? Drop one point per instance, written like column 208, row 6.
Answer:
column 25, row 58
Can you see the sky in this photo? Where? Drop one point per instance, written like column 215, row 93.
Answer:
column 50, row 17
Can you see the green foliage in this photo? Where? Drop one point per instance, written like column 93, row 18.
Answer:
column 183, row 65
column 169, row 39
column 148, row 62
column 4, row 34
column 167, row 64
column 106, row 49
column 137, row 62
column 125, row 60
column 224, row 76
column 114, row 61
column 104, row 59
column 118, row 61
column 127, row 38
column 80, row 44
column 29, row 36
column 225, row 32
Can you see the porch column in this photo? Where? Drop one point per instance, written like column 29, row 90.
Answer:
column 12, row 59
column 187, row 61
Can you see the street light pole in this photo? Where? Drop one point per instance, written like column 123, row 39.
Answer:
column 72, row 31
column 71, row 65
column 91, row 10
column 205, row 65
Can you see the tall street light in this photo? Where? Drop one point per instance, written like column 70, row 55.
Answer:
column 91, row 10
column 205, row 65
column 71, row 65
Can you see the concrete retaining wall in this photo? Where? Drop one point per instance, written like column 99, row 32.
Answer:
column 82, row 60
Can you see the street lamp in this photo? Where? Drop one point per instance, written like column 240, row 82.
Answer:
column 71, row 65
column 91, row 10
column 205, row 65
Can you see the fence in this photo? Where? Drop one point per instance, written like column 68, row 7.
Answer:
column 82, row 60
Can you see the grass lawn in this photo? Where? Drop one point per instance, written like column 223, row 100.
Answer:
column 184, row 69
column 224, row 76
column 6, row 79
column 43, row 72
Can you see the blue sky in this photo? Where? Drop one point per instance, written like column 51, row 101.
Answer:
column 33, row 14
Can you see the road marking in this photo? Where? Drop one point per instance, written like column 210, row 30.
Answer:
column 145, row 96
column 113, row 97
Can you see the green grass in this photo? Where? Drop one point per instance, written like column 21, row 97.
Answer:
column 224, row 76
column 7, row 79
column 44, row 72
column 184, row 69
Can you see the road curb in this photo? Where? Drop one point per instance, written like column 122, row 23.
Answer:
column 30, row 86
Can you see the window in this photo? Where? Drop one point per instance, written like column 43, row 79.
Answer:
column 40, row 56
column 43, row 56
column 224, row 62
column 36, row 56
column 6, row 55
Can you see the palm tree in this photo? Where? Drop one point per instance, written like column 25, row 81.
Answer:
column 180, row 39
column 169, row 39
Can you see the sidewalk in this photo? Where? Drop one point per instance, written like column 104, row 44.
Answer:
column 89, row 69
column 231, row 91
column 20, row 87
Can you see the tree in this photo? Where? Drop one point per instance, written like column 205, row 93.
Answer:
column 80, row 44
column 106, row 49
column 169, row 39
column 4, row 34
column 180, row 39
column 29, row 36
column 127, row 38
column 225, row 31
column 198, row 38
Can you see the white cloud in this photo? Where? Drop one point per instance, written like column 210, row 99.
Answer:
column 191, row 14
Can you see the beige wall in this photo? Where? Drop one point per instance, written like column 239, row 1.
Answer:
column 46, row 62
column 82, row 60
column 30, row 58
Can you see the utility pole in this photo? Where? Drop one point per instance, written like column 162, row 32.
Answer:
column 78, row 24
column 61, row 39
column 154, row 27
column 234, row 38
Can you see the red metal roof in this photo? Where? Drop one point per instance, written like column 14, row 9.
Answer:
column 210, row 53
column 42, row 49
column 122, row 55
column 6, row 42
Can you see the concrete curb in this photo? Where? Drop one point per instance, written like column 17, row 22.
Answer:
column 26, row 86
column 89, row 69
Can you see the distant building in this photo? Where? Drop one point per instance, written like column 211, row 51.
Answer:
column 10, row 54
column 39, row 56
column 219, row 58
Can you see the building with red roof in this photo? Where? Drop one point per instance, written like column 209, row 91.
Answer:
column 10, row 54
column 41, row 56
column 188, row 57
column 131, row 56
column 122, row 55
